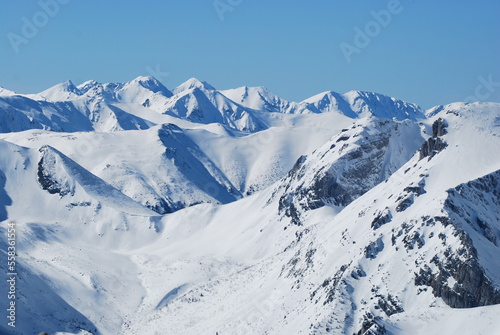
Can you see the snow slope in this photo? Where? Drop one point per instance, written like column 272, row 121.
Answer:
column 367, row 217
column 161, row 168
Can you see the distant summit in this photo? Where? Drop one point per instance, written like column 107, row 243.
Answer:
column 245, row 109
column 192, row 84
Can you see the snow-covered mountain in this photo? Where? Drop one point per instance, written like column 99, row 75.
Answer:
column 353, row 104
column 6, row 92
column 359, row 104
column 141, row 210
column 199, row 102
column 260, row 98
column 348, row 165
column 144, row 102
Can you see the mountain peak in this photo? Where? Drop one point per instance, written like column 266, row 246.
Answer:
column 67, row 86
column 193, row 83
column 152, row 84
column 380, row 105
column 87, row 83
column 62, row 91
column 84, row 87
column 5, row 92
column 258, row 98
column 146, row 80
column 356, row 104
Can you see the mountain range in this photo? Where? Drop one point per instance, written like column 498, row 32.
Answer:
column 144, row 210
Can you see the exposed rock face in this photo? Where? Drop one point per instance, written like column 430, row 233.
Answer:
column 413, row 240
column 161, row 206
column 50, row 177
column 431, row 147
column 442, row 252
column 439, row 128
column 406, row 199
column 372, row 250
column 390, row 305
column 371, row 326
column 434, row 144
column 464, row 199
column 472, row 287
column 345, row 168
column 405, row 202
column 461, row 280
column 382, row 218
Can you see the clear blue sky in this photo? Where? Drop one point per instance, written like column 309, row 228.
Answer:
column 431, row 52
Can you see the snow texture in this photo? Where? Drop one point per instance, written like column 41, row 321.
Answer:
column 144, row 210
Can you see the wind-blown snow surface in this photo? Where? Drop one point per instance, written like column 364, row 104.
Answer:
column 198, row 211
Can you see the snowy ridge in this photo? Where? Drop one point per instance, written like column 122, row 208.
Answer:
column 63, row 91
column 358, row 104
column 191, row 84
column 239, row 109
column 200, row 211
column 260, row 98
column 348, row 165
column 6, row 92
column 57, row 174
column 200, row 104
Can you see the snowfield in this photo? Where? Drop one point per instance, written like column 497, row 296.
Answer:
column 143, row 210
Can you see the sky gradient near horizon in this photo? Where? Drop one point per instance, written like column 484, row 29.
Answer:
column 422, row 51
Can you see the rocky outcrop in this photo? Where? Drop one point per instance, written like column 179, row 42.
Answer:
column 439, row 128
column 405, row 202
column 434, row 144
column 162, row 206
column 460, row 279
column 471, row 287
column 462, row 202
column 389, row 304
column 48, row 177
column 345, row 168
column 372, row 250
column 406, row 199
column 381, row 218
column 371, row 325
